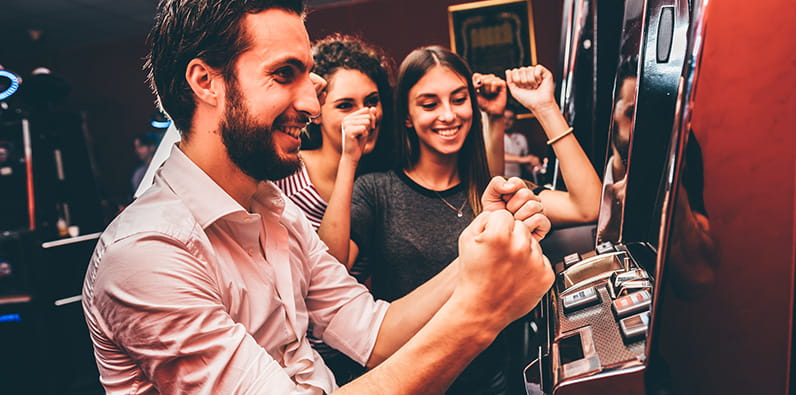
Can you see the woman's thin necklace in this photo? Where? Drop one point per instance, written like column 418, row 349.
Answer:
column 447, row 203
column 457, row 210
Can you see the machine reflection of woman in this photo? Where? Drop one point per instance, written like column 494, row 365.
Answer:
column 615, row 179
column 405, row 221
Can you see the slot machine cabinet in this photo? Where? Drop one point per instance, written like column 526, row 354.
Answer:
column 645, row 91
column 724, row 307
column 589, row 43
column 590, row 38
column 593, row 323
column 58, row 274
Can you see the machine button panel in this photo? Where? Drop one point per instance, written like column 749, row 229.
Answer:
column 581, row 299
column 632, row 303
column 634, row 327
column 622, row 283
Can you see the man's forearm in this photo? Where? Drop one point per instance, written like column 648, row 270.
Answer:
column 408, row 314
column 432, row 359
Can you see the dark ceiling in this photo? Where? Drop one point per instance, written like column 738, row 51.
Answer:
column 61, row 24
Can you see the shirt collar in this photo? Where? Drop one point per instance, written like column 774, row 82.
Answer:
column 203, row 197
column 206, row 200
column 268, row 198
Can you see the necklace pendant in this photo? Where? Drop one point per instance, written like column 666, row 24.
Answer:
column 459, row 213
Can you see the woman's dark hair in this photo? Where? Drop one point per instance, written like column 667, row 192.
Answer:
column 338, row 51
column 198, row 29
column 472, row 164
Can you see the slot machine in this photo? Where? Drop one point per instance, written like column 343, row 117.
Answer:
column 689, row 289
column 592, row 327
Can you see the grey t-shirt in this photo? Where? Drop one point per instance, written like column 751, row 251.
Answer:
column 408, row 235
column 407, row 232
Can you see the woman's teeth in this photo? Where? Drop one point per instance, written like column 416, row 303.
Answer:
column 447, row 132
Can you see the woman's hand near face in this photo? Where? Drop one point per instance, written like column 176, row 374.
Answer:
column 355, row 129
column 491, row 93
column 492, row 96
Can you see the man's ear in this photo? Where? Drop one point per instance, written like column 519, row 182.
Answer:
column 205, row 82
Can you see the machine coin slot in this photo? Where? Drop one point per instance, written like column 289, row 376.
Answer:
column 619, row 278
column 581, row 299
column 631, row 304
column 633, row 286
column 634, row 327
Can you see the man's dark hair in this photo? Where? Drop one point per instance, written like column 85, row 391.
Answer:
column 209, row 30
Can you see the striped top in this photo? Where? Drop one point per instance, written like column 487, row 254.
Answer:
column 299, row 189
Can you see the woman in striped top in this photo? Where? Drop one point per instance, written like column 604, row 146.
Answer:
column 347, row 139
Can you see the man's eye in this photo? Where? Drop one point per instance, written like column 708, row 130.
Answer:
column 284, row 75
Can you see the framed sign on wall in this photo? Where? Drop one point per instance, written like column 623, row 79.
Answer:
column 493, row 35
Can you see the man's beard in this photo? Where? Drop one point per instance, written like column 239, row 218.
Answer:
column 249, row 145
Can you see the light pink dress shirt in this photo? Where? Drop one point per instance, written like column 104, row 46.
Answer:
column 188, row 292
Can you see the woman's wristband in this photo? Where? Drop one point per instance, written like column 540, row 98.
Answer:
column 560, row 136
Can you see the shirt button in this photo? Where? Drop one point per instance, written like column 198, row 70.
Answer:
column 250, row 251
